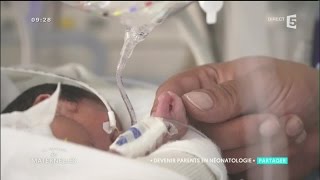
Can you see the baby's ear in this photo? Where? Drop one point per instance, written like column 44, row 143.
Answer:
column 40, row 98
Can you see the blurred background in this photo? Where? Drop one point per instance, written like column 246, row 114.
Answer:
column 181, row 42
column 72, row 36
column 75, row 36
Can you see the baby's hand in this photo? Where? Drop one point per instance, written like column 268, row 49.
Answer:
column 171, row 107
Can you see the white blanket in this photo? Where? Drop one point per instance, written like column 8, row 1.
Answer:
column 29, row 156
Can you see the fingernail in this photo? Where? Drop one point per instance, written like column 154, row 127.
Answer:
column 294, row 126
column 200, row 100
column 269, row 128
column 301, row 137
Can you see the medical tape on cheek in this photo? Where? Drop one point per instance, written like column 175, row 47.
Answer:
column 143, row 137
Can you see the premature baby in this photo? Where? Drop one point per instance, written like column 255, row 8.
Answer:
column 80, row 115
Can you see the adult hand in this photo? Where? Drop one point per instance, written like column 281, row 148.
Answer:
column 243, row 105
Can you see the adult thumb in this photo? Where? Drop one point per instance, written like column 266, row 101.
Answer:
column 219, row 103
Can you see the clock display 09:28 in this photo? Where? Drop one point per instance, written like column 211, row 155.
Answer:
column 41, row 20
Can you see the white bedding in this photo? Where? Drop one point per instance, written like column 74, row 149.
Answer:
column 21, row 154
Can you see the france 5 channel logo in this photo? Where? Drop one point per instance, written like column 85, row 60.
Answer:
column 292, row 21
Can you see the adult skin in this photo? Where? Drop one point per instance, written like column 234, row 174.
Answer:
column 255, row 106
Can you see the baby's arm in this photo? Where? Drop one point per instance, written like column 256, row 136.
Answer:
column 168, row 122
column 191, row 146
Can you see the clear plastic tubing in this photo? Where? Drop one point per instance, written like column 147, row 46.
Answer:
column 139, row 18
column 127, row 49
column 133, row 36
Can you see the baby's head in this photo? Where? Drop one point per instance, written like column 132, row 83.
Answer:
column 80, row 114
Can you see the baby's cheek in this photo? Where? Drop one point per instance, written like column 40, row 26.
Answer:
column 65, row 129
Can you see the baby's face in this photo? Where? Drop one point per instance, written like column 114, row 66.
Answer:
column 81, row 123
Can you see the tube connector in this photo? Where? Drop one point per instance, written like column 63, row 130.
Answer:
column 211, row 8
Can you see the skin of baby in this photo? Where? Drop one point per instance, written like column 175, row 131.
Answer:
column 170, row 107
column 81, row 122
